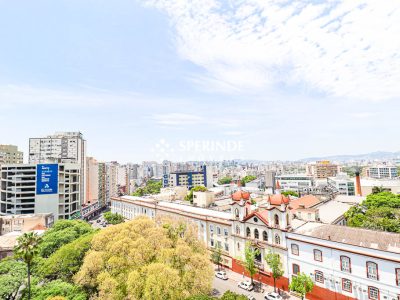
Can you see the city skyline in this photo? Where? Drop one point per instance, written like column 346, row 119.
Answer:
column 286, row 82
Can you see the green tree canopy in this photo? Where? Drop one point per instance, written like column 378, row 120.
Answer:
column 12, row 276
column 228, row 295
column 247, row 179
column 113, row 218
column 275, row 264
column 146, row 261
column 152, row 187
column 290, row 193
column 225, row 180
column 63, row 232
column 59, row 289
column 216, row 256
column 301, row 284
column 250, row 254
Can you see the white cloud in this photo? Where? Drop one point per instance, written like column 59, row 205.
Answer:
column 176, row 119
column 342, row 48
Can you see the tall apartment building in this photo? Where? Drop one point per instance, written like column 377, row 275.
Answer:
column 381, row 172
column 61, row 147
column 92, row 180
column 9, row 154
column 203, row 177
column 322, row 169
column 104, row 190
column 40, row 188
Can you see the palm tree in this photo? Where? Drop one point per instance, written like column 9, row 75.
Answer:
column 26, row 249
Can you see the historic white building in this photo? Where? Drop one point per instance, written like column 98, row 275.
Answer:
column 345, row 263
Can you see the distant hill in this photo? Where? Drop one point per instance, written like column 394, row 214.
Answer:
column 378, row 155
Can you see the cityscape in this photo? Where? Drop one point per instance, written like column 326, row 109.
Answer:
column 199, row 150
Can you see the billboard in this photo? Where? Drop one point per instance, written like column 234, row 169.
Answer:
column 46, row 179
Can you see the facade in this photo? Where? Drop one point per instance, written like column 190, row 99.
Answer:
column 9, row 154
column 293, row 182
column 191, row 178
column 322, row 169
column 92, row 180
column 61, row 147
column 342, row 184
column 381, row 172
column 25, row 223
column 203, row 199
column 372, row 270
column 103, row 189
column 19, row 190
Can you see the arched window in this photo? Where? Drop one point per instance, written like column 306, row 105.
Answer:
column 276, row 218
column 237, row 230
column 248, row 232
column 236, row 213
column 277, row 239
column 256, row 235
column 238, row 246
column 372, row 270
column 287, row 220
column 265, row 236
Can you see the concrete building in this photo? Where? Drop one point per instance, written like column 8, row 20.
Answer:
column 61, row 147
column 344, row 263
column 391, row 185
column 191, row 178
column 104, row 189
column 25, row 223
column 42, row 188
column 294, row 182
column 92, row 181
column 381, row 172
column 343, row 184
column 9, row 154
column 203, row 199
column 322, row 169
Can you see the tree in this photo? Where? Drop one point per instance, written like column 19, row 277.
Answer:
column 66, row 261
column 63, row 232
column 377, row 189
column 301, row 284
column 228, row 295
column 250, row 254
column 58, row 289
column 216, row 257
column 12, row 275
column 26, row 249
column 113, row 218
column 225, row 180
column 275, row 264
column 290, row 193
column 198, row 188
column 146, row 260
column 247, row 179
column 151, row 187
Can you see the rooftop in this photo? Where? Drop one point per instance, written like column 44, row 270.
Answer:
column 304, row 202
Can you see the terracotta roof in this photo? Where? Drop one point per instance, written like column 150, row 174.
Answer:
column 262, row 215
column 305, row 202
column 39, row 227
column 278, row 199
column 239, row 195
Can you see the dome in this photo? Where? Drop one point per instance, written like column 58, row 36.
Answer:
column 239, row 195
column 278, row 199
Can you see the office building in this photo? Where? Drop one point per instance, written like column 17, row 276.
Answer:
column 42, row 188
column 9, row 154
column 92, row 180
column 342, row 184
column 322, row 169
column 381, row 172
column 61, row 147
column 294, row 182
column 203, row 177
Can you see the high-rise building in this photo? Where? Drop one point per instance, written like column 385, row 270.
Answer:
column 9, row 154
column 61, row 147
column 92, row 181
column 381, row 172
column 190, row 179
column 322, row 169
column 104, row 191
column 40, row 188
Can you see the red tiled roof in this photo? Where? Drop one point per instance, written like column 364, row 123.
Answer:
column 306, row 201
column 239, row 195
column 278, row 199
column 262, row 215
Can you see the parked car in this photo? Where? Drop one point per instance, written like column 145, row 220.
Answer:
column 221, row 275
column 98, row 221
column 250, row 297
column 272, row 296
column 246, row 285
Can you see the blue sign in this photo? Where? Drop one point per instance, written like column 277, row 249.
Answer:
column 46, row 179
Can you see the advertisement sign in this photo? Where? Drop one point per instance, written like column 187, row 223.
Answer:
column 46, row 179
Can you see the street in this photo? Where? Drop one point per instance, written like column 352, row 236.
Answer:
column 221, row 286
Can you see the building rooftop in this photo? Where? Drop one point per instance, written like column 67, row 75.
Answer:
column 350, row 199
column 304, row 202
column 330, row 211
column 365, row 238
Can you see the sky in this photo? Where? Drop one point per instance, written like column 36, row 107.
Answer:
column 205, row 79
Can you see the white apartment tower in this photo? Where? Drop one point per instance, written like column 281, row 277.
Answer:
column 61, row 147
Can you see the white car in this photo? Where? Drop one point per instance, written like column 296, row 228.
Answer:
column 221, row 275
column 246, row 285
column 272, row 296
column 251, row 297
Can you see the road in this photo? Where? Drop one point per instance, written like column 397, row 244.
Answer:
column 221, row 286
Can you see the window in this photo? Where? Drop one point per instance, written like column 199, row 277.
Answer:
column 346, row 285
column 211, row 228
column 319, row 276
column 276, row 218
column 236, row 213
column 237, row 230
column 212, row 243
column 373, row 293
column 295, row 249
column 296, row 269
column 226, row 247
column 248, row 232
column 372, row 271
column 256, row 235
column 218, row 230
column 345, row 264
column 397, row 277
column 238, row 246
column 225, row 232
column 277, row 239
column 317, row 255
column 265, row 236
column 219, row 245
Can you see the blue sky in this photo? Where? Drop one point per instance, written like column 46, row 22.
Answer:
column 285, row 80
